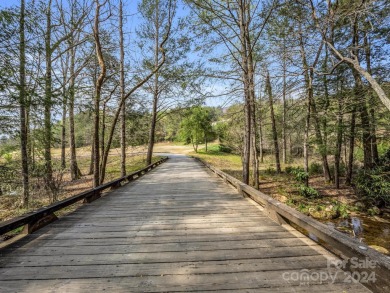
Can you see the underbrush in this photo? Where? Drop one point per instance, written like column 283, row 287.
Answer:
column 373, row 186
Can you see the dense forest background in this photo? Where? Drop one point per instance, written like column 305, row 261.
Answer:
column 297, row 87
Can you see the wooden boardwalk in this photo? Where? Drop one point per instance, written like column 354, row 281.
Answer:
column 177, row 229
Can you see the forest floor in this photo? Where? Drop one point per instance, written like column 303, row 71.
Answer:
column 336, row 207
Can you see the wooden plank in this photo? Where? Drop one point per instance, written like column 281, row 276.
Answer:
column 174, row 283
column 243, row 226
column 113, row 257
column 145, row 247
column 158, row 269
column 48, row 241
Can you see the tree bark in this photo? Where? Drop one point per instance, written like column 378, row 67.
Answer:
column 75, row 172
column 284, row 117
column 98, row 90
column 122, row 90
column 348, row 179
column 155, row 87
column 339, row 141
column 306, row 140
column 48, row 106
column 374, row 146
column 273, row 123
column 242, row 17
column 22, row 107
column 362, row 106
column 63, row 122
column 261, row 144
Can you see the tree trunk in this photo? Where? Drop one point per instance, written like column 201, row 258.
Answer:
column 326, row 108
column 102, row 139
column 155, row 87
column 22, row 108
column 362, row 106
column 273, row 123
column 284, row 117
column 348, row 179
column 98, row 90
column 47, row 108
column 306, row 141
column 374, row 146
column 339, row 141
column 252, row 99
column 319, row 140
column 247, row 104
column 91, row 165
column 261, row 144
column 122, row 89
column 75, row 172
column 63, row 123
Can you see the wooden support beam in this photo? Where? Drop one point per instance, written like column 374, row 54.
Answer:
column 38, row 224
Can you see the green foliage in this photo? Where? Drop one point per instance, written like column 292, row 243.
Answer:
column 373, row 211
column 299, row 173
column 8, row 147
column 196, row 126
column 7, row 157
column 315, row 168
column 385, row 161
column 343, row 169
column 373, row 186
column 308, row 192
column 270, row 171
column 342, row 210
column 224, row 149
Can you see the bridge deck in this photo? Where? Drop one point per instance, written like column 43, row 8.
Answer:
column 177, row 229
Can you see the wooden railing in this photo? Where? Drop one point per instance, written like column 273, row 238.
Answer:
column 37, row 219
column 337, row 242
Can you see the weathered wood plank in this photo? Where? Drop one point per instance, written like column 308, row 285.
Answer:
column 160, row 247
column 48, row 241
column 154, row 256
column 176, row 283
column 158, row 269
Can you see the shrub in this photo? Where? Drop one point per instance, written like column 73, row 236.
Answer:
column 373, row 186
column 384, row 161
column 342, row 210
column 308, row 192
column 270, row 171
column 315, row 168
column 343, row 169
column 7, row 157
column 289, row 169
column 224, row 149
column 300, row 174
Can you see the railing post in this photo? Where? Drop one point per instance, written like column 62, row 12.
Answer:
column 94, row 196
column 38, row 224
